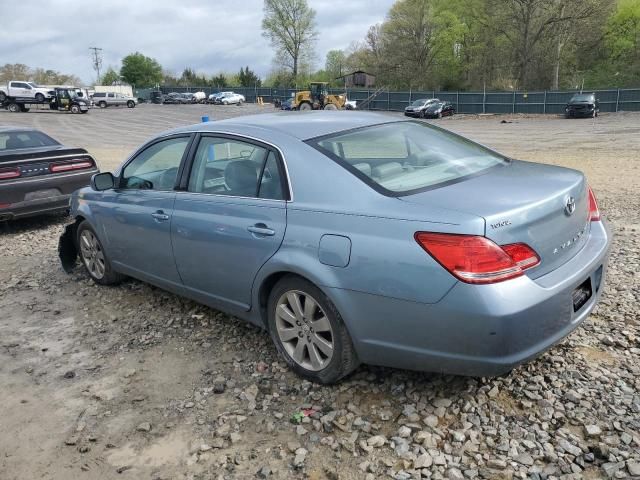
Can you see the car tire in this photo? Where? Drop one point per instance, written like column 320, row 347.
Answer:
column 93, row 256
column 327, row 354
column 14, row 108
column 440, row 115
column 3, row 96
column 422, row 114
column 102, row 104
column 39, row 97
column 131, row 104
column 305, row 106
column 75, row 109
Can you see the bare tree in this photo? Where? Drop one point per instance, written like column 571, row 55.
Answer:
column 290, row 26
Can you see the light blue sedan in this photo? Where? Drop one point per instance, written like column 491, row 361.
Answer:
column 353, row 238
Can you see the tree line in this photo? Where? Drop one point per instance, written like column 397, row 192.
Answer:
column 471, row 44
column 40, row 76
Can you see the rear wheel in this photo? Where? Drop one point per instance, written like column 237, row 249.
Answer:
column 131, row 104
column 39, row 97
column 308, row 331
column 102, row 104
column 94, row 258
column 3, row 96
column 305, row 106
column 14, row 108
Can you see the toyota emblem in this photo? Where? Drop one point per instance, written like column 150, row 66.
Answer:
column 570, row 205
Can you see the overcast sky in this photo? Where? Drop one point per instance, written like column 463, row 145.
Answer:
column 207, row 35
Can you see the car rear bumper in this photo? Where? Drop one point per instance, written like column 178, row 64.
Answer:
column 581, row 112
column 38, row 195
column 478, row 330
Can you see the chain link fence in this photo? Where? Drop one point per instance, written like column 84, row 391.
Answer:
column 611, row 100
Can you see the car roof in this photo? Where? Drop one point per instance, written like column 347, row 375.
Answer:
column 16, row 128
column 302, row 125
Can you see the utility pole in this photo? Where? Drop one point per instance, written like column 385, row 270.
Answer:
column 97, row 60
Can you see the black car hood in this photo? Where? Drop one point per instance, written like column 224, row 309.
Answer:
column 39, row 152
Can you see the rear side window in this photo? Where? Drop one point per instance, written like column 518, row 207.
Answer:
column 20, row 140
column 98, row 94
column 401, row 158
column 224, row 166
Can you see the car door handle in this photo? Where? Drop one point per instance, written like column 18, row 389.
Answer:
column 261, row 229
column 160, row 216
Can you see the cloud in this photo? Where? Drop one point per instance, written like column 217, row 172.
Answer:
column 205, row 35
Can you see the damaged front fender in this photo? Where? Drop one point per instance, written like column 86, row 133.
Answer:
column 67, row 248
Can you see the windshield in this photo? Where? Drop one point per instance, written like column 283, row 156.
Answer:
column 33, row 85
column 582, row 98
column 405, row 157
column 419, row 103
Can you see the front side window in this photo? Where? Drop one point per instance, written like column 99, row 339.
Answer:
column 224, row 166
column 156, row 167
column 404, row 157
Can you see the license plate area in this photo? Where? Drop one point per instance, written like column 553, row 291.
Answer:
column 581, row 294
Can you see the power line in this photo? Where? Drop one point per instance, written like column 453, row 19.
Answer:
column 97, row 60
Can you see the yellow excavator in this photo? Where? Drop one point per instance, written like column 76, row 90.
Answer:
column 318, row 98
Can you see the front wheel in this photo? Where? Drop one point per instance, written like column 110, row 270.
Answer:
column 308, row 331
column 131, row 104
column 330, row 106
column 94, row 258
column 39, row 97
column 75, row 109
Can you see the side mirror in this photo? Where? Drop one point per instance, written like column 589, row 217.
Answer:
column 102, row 181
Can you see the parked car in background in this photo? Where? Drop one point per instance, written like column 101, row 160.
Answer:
column 156, row 97
column 419, row 107
column 439, row 109
column 230, row 98
column 20, row 90
column 215, row 96
column 286, row 104
column 353, row 238
column 199, row 97
column 38, row 174
column 176, row 98
column 113, row 99
column 582, row 105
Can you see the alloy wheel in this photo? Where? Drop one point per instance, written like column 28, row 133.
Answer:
column 304, row 330
column 92, row 254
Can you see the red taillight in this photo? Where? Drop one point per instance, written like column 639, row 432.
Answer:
column 68, row 166
column 7, row 173
column 475, row 259
column 594, row 211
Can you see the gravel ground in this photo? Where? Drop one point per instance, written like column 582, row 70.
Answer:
column 134, row 382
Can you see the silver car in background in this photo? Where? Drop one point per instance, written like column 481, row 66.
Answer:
column 113, row 99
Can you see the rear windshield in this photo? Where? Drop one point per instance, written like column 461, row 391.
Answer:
column 405, row 157
column 17, row 140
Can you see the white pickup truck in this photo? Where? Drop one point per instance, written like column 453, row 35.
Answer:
column 29, row 91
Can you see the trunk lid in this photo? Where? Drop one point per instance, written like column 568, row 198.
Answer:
column 523, row 202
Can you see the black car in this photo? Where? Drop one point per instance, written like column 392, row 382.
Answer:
column 439, row 109
column 38, row 174
column 582, row 105
column 176, row 98
column 419, row 107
